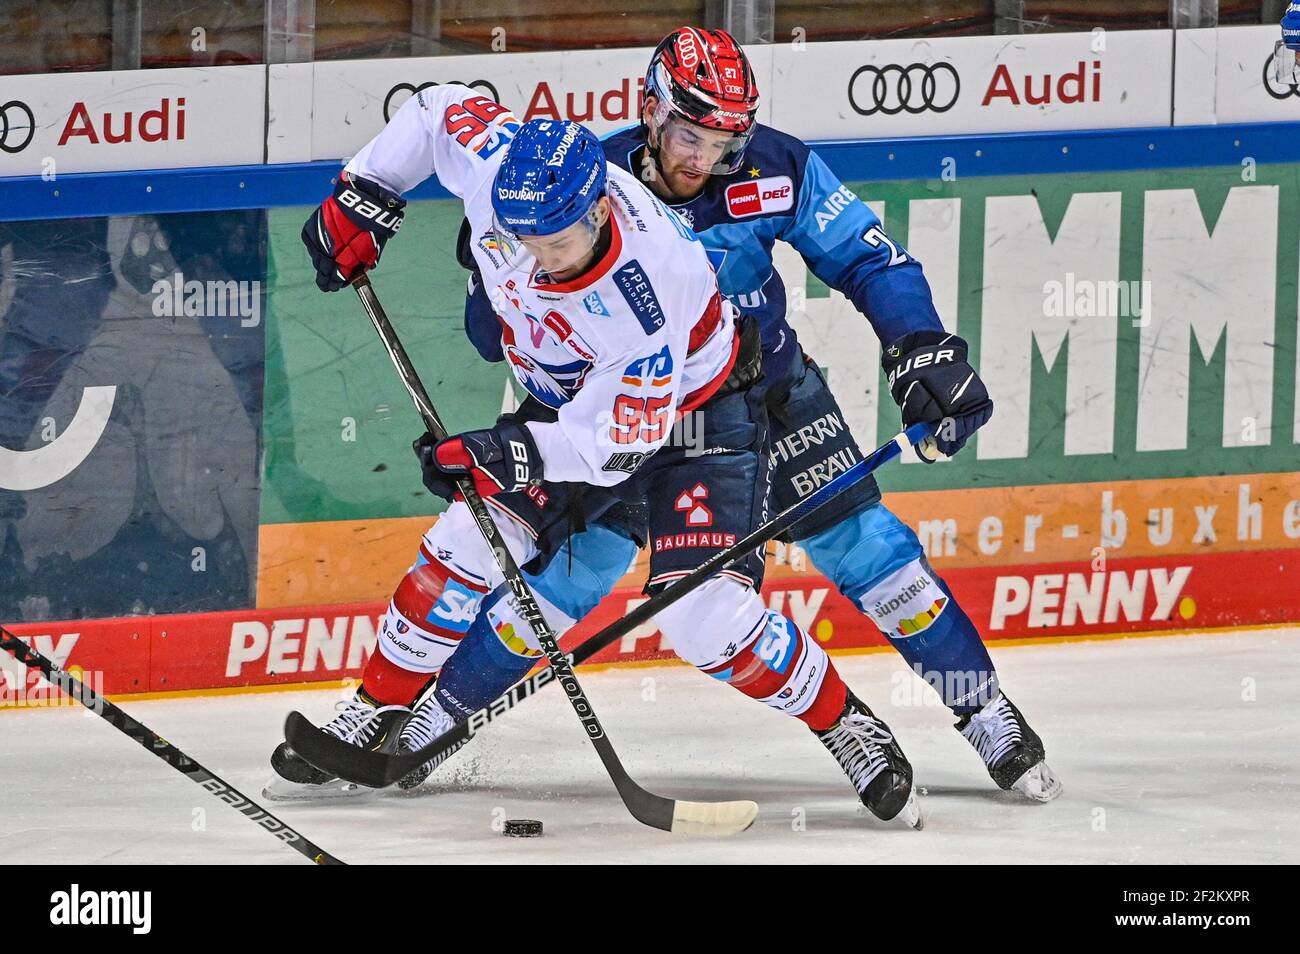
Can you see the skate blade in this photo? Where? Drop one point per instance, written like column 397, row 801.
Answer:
column 1039, row 784
column 911, row 813
column 283, row 790
column 909, row 816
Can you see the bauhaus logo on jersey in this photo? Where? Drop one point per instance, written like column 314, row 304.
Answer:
column 772, row 194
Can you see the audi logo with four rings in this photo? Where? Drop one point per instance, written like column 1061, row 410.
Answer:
column 392, row 103
column 893, row 89
column 17, row 126
column 1276, row 89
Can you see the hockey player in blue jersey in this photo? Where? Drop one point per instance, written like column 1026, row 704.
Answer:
column 742, row 186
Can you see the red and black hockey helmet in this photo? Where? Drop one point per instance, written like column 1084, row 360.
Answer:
column 702, row 77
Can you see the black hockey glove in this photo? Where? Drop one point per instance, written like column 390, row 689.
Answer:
column 931, row 380
column 346, row 235
column 499, row 459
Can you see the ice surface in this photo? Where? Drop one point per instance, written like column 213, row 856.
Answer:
column 1171, row 749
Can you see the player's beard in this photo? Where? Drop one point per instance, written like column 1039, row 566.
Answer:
column 673, row 182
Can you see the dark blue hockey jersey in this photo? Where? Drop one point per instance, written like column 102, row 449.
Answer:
column 783, row 190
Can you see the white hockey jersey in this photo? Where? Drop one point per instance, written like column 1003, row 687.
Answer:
column 621, row 351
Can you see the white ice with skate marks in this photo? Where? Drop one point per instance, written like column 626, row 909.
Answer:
column 1171, row 749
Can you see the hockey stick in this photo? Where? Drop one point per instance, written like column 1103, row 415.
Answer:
column 377, row 770
column 675, row 815
column 71, row 686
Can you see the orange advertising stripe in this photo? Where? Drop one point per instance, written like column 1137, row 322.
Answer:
column 356, row 560
column 1051, row 523
column 345, row 561
column 337, row 561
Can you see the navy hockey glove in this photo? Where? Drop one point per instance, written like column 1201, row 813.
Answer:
column 931, row 380
column 346, row 235
column 499, row 460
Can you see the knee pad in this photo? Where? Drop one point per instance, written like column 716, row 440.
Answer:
column 584, row 570
column 430, row 612
column 501, row 647
column 862, row 550
column 877, row 562
column 713, row 622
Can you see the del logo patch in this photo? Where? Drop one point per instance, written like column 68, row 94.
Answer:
column 771, row 194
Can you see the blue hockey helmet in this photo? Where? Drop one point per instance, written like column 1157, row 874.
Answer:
column 550, row 178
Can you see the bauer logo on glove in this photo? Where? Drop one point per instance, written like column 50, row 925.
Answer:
column 346, row 235
column 931, row 379
column 499, row 459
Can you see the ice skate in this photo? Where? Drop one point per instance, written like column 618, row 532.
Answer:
column 361, row 722
column 872, row 759
column 1012, row 752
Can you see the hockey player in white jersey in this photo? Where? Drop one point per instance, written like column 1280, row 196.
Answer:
column 612, row 321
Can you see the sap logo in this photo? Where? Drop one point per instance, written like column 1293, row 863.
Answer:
column 771, row 194
column 655, row 370
column 456, row 607
column 776, row 647
column 594, row 305
column 838, row 201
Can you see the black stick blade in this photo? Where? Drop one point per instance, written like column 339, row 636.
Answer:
column 331, row 754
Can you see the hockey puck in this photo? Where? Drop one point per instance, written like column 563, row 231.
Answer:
column 522, row 828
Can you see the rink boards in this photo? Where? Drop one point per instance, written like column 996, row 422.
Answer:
column 294, row 645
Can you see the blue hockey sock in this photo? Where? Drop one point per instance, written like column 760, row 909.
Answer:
column 877, row 562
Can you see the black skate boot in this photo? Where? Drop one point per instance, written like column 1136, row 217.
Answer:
column 361, row 722
column 429, row 721
column 873, row 761
column 1012, row 751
